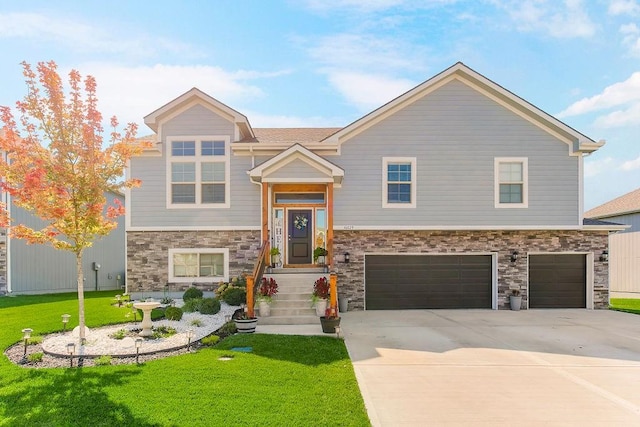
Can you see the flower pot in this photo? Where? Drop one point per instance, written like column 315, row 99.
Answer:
column 246, row 326
column 329, row 325
column 516, row 302
column 321, row 307
column 265, row 309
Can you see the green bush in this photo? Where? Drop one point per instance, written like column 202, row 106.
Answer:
column 210, row 340
column 37, row 357
column 163, row 332
column 228, row 328
column 103, row 360
column 173, row 313
column 197, row 323
column 191, row 293
column 119, row 334
column 209, row 306
column 235, row 296
column 36, row 339
column 192, row 305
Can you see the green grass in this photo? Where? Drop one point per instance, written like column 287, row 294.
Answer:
column 628, row 305
column 286, row 380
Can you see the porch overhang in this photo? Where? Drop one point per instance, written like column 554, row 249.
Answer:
column 318, row 169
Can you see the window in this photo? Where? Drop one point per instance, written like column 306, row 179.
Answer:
column 198, row 265
column 198, row 172
column 399, row 182
column 511, row 183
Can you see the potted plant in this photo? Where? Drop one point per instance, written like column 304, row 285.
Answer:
column 244, row 323
column 268, row 288
column 275, row 257
column 320, row 295
column 319, row 255
column 329, row 321
column 515, row 299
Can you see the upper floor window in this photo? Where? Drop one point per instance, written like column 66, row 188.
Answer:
column 198, row 172
column 511, row 182
column 399, row 182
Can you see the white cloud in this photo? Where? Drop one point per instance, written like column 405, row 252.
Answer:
column 624, row 7
column 625, row 117
column 80, row 36
column 133, row 92
column 597, row 167
column 630, row 165
column 615, row 95
column 631, row 38
column 567, row 19
column 368, row 91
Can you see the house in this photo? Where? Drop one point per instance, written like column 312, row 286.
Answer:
column 624, row 247
column 37, row 269
column 450, row 196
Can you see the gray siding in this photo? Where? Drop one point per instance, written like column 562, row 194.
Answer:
column 148, row 202
column 455, row 133
column 297, row 169
column 42, row 269
column 632, row 219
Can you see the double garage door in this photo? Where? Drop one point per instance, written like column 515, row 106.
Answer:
column 394, row 282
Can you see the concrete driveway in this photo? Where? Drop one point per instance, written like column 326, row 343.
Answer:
column 488, row 368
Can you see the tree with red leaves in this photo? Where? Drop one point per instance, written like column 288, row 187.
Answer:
column 55, row 166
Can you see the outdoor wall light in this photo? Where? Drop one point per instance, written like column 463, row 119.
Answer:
column 605, row 256
column 514, row 256
column 65, row 320
column 71, row 348
column 189, row 337
column 347, row 257
column 138, row 342
column 26, row 334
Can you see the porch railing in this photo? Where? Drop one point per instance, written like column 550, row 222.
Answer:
column 256, row 276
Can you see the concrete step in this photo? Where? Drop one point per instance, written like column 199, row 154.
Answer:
column 278, row 311
column 291, row 303
column 289, row 320
column 301, row 270
column 293, row 296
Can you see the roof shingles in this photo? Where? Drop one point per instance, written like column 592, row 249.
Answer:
column 625, row 204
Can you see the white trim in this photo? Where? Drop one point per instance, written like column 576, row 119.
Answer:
column 197, row 228
column 299, row 180
column 339, row 227
column 525, row 182
column 581, row 190
column 198, row 159
column 606, row 227
column 199, row 251
column 590, row 273
column 414, row 180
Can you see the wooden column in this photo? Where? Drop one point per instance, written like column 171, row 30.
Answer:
column 333, row 283
column 329, row 260
column 250, row 301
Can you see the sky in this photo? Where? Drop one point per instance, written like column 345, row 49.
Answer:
column 326, row 63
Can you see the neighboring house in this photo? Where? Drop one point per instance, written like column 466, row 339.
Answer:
column 624, row 247
column 449, row 196
column 36, row 269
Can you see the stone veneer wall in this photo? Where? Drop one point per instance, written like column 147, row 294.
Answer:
column 510, row 275
column 148, row 252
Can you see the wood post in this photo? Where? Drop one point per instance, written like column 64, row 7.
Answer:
column 265, row 211
column 333, row 294
column 250, row 302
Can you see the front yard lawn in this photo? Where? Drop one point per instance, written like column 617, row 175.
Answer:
column 629, row 305
column 285, row 380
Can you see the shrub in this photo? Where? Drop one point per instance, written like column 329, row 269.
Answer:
column 167, row 300
column 235, row 296
column 35, row 357
column 36, row 339
column 173, row 313
column 163, row 332
column 209, row 306
column 119, row 334
column 192, row 305
column 222, row 286
column 103, row 360
column 228, row 328
column 210, row 340
column 196, row 322
column 192, row 293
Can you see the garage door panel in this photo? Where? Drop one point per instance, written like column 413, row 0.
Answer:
column 428, row 281
column 557, row 281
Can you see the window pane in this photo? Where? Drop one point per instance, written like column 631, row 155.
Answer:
column 213, row 193
column 399, row 172
column 183, row 148
column 183, row 193
column 213, row 172
column 399, row 193
column 511, row 172
column 185, row 265
column 183, row 172
column 211, row 265
column 510, row 193
column 213, row 148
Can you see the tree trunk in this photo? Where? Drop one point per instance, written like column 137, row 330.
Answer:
column 80, row 296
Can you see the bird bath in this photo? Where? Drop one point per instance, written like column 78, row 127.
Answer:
column 146, row 308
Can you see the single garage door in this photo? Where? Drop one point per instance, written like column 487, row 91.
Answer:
column 395, row 282
column 557, row 281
